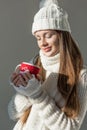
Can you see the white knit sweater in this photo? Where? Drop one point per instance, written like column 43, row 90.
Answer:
column 45, row 115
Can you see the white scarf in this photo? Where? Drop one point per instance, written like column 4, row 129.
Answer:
column 50, row 63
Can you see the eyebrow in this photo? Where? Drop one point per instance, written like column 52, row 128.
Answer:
column 44, row 34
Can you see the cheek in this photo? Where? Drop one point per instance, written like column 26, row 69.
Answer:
column 54, row 41
column 56, row 44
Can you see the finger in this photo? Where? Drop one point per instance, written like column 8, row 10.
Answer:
column 23, row 82
column 26, row 75
column 16, row 81
column 13, row 77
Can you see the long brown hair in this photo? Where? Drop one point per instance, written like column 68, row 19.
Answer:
column 71, row 63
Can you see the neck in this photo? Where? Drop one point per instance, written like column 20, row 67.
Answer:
column 50, row 63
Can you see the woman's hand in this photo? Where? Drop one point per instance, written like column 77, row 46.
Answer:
column 20, row 78
column 26, row 83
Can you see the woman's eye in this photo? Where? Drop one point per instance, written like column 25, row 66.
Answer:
column 48, row 35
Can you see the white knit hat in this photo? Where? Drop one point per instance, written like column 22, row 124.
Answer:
column 50, row 16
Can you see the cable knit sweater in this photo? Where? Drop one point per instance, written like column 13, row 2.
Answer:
column 45, row 115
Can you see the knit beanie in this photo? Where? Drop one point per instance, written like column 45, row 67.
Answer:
column 50, row 16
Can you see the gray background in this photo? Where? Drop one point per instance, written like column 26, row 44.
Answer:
column 17, row 43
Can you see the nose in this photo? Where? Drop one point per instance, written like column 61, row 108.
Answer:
column 43, row 41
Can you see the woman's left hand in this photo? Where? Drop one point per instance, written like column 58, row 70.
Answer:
column 29, row 84
column 24, row 78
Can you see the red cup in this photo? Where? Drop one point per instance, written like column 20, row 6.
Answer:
column 33, row 69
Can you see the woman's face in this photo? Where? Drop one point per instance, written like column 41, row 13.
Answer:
column 48, row 42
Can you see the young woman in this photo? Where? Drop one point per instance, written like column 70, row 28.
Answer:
column 57, row 98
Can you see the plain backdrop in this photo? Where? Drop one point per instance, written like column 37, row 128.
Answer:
column 17, row 43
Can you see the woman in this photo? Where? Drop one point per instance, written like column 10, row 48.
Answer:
column 57, row 98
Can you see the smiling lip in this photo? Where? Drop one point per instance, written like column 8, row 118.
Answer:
column 47, row 49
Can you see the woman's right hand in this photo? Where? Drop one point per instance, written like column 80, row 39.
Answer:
column 15, row 79
column 20, row 78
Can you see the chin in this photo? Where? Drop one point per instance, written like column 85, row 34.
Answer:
column 48, row 55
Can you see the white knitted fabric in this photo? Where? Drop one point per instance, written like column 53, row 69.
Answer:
column 45, row 115
column 18, row 105
column 50, row 16
column 50, row 64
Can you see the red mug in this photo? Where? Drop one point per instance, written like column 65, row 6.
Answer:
column 33, row 69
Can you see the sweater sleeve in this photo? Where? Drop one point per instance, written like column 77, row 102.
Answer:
column 17, row 106
column 53, row 117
